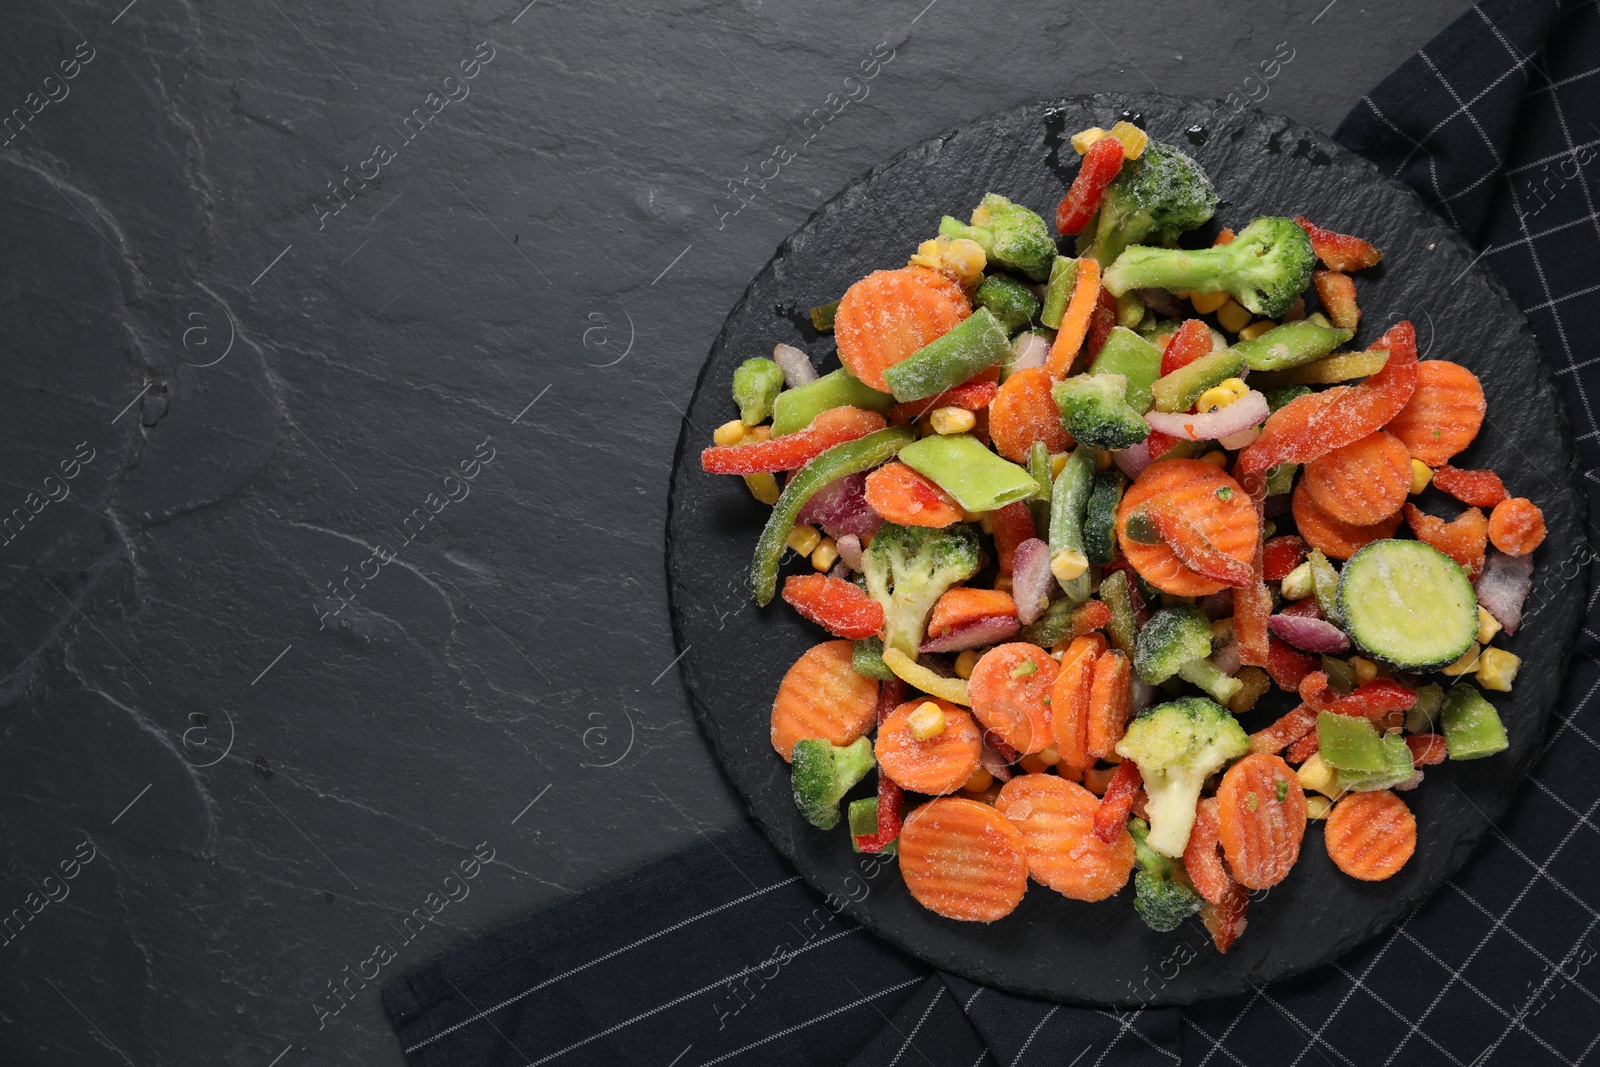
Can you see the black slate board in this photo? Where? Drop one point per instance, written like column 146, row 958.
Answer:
column 732, row 662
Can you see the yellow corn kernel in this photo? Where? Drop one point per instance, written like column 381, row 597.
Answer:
column 1466, row 664
column 1132, row 137
column 965, row 662
column 1032, row 764
column 753, row 434
column 729, row 433
column 1236, row 386
column 986, row 522
column 763, row 486
column 1002, row 583
column 1317, row 808
column 1496, row 669
column 1296, row 585
column 980, row 780
column 1214, row 398
column 961, row 259
column 952, row 420
column 1083, row 139
column 1069, row 564
column 927, row 721
column 1488, row 626
column 1058, row 462
column 1102, row 460
column 969, row 516
column 1365, row 669
column 824, row 556
column 1232, row 317
column 804, row 539
column 1050, row 757
column 1256, row 329
column 1421, row 475
column 1216, row 458
column 1316, row 776
column 1206, row 303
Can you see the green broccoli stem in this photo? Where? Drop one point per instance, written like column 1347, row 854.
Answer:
column 955, row 229
column 1142, row 267
column 1210, row 678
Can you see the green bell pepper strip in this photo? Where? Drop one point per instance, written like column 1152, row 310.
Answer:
column 866, row 658
column 1123, row 629
column 1280, row 479
column 1349, row 743
column 978, row 479
column 756, row 385
column 1179, row 390
column 822, row 317
column 795, row 408
column 1423, row 716
column 1472, row 728
column 1008, row 300
column 1067, row 503
column 1063, row 280
column 1139, row 361
column 852, row 457
column 1290, row 345
column 1341, row 676
column 1039, row 467
column 977, row 343
column 1397, row 767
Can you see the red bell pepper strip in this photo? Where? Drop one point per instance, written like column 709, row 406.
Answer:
column 1111, row 818
column 1101, row 322
column 1012, row 524
column 1226, row 921
column 1314, row 425
column 1159, row 442
column 842, row 608
column 973, row 396
column 1303, row 749
column 1339, row 251
column 1286, row 664
column 891, row 798
column 1192, row 341
column 1289, row 728
column 1281, row 555
column 832, row 427
column 1375, row 700
column 1101, row 164
column 1193, row 549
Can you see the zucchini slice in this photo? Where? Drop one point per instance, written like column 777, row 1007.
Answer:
column 1408, row 604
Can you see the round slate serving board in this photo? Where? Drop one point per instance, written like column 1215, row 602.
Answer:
column 733, row 654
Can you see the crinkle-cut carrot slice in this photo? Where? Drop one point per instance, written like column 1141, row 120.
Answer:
column 1370, row 836
column 1069, row 700
column 961, row 859
column 1335, row 539
column 1464, row 538
column 1261, row 818
column 1056, row 818
column 1216, row 505
column 1110, row 699
column 1516, row 526
column 1024, row 412
column 1010, row 693
column 903, row 496
column 1212, row 880
column 822, row 696
column 1443, row 415
column 890, row 314
column 939, row 764
column 1363, row 482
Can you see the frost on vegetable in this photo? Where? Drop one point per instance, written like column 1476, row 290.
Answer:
column 1154, row 199
column 1010, row 234
column 908, row 568
column 1095, row 411
column 1178, row 745
column 1265, row 268
column 823, row 773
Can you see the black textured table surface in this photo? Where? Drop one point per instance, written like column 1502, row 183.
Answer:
column 347, row 346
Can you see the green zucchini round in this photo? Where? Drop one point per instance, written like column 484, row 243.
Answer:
column 1408, row 604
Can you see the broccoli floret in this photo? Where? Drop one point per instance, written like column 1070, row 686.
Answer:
column 1265, row 268
column 1008, row 300
column 824, row 773
column 1161, row 895
column 756, row 385
column 1178, row 745
column 1009, row 234
column 1095, row 411
column 908, row 568
column 1154, row 198
column 1177, row 640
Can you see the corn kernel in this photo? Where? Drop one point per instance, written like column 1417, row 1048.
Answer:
column 986, row 522
column 1084, row 139
column 1002, row 583
column 1365, row 669
column 1050, row 757
column 1102, row 460
column 824, row 556
column 754, row 434
column 1496, row 669
column 965, row 662
column 1317, row 808
column 763, row 486
column 1032, row 764
column 1421, row 475
column 1488, row 626
column 1069, row 564
column 1236, row 386
column 1256, row 329
column 1132, row 137
column 968, row 516
column 1466, row 664
column 952, row 420
column 961, row 259
column 729, row 433
column 1206, row 303
column 1216, row 458
column 1316, row 776
column 1232, row 317
column 980, row 780
column 1214, row 398
column 925, row 426
column 927, row 721
column 1058, row 463
column 804, row 539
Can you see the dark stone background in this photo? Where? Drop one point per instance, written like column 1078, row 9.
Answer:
column 303, row 772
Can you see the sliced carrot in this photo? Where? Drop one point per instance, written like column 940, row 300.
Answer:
column 1024, row 412
column 1117, row 800
column 1219, row 509
column 1057, row 821
column 962, row 859
column 1069, row 700
column 1010, row 692
column 823, row 696
column 1464, row 538
column 1335, row 539
column 1302, row 749
column 1443, row 415
column 890, row 314
column 903, row 496
column 1427, row 750
column 1362, row 483
column 1516, row 526
column 842, row 608
column 1481, row 489
column 1075, row 321
column 939, row 764
column 1013, row 524
column 964, row 604
column 1110, row 697
column 1201, row 859
column 1337, row 291
column 1261, row 817
column 1290, row 728
column 1090, row 616
column 1370, row 836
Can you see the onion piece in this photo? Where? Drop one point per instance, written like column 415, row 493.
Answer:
column 849, row 549
column 795, row 364
column 1032, row 351
column 1141, row 694
column 975, row 634
column 841, row 507
column 1242, row 414
column 994, row 763
column 1133, row 460
column 1217, row 606
column 840, row 570
column 1277, row 505
column 1227, row 658
column 1243, row 439
column 1309, row 635
column 1503, row 586
column 1162, row 302
column 1031, row 579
